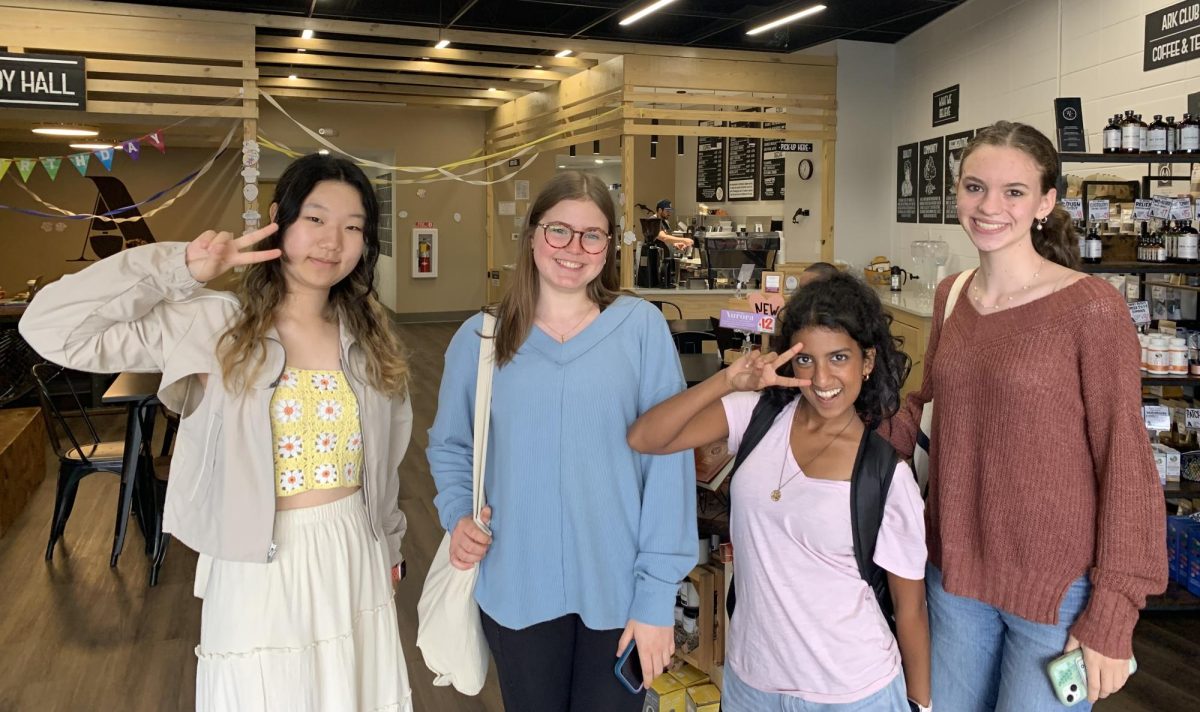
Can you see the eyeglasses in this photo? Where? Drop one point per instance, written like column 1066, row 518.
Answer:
column 558, row 235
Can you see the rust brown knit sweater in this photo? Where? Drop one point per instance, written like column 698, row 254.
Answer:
column 1040, row 465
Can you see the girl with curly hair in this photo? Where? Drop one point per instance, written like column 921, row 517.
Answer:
column 808, row 625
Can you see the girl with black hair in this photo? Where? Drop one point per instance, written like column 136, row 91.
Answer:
column 808, row 632
column 295, row 416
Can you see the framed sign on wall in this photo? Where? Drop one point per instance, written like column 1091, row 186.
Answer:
column 425, row 252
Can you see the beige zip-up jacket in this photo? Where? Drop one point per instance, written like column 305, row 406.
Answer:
column 141, row 310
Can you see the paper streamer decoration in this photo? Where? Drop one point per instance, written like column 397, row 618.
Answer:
column 25, row 167
column 80, row 161
column 105, row 155
column 51, row 164
column 133, row 147
column 156, row 139
column 4, row 164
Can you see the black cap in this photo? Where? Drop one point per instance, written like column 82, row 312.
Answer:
column 663, row 205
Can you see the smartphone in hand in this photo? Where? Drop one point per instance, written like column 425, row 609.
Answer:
column 629, row 669
column 1069, row 678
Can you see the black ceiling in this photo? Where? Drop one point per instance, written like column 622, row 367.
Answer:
column 697, row 23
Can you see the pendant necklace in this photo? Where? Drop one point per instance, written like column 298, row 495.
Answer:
column 977, row 296
column 777, row 493
column 562, row 335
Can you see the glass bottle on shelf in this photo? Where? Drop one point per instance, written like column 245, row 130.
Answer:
column 1112, row 135
column 1143, row 143
column 1131, row 134
column 1189, row 135
column 1189, row 242
column 1172, row 134
column 1093, row 248
column 1156, row 136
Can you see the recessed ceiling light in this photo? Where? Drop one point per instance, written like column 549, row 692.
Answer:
column 91, row 146
column 65, row 131
column 600, row 160
column 652, row 7
column 537, row 66
column 491, row 88
column 306, row 35
column 561, row 166
column 563, row 53
column 784, row 20
column 324, row 152
column 291, row 76
column 442, row 44
column 301, row 50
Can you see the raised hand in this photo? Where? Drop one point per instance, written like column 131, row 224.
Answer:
column 756, row 371
column 212, row 254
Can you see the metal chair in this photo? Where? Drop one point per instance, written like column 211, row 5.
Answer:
column 16, row 363
column 660, row 305
column 77, row 457
column 692, row 342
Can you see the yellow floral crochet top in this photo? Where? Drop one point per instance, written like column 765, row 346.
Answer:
column 315, row 426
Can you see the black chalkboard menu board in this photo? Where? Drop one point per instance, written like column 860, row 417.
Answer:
column 955, row 143
column 771, row 172
column 742, row 181
column 931, row 181
column 710, row 169
column 906, row 182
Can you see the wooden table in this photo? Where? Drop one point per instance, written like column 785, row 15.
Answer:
column 678, row 326
column 138, row 392
column 697, row 367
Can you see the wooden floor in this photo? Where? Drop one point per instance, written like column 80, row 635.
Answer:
column 76, row 635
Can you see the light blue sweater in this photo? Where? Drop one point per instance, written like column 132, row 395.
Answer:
column 581, row 523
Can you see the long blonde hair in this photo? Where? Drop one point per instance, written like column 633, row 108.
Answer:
column 517, row 309
column 353, row 301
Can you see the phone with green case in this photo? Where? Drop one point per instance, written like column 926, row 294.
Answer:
column 1069, row 678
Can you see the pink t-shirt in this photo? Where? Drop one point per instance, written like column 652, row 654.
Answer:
column 806, row 622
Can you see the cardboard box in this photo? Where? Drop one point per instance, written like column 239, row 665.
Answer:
column 703, row 698
column 666, row 694
column 688, row 675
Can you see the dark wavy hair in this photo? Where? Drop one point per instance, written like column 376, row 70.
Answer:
column 843, row 302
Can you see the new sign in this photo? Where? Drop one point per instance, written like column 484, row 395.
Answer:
column 42, row 81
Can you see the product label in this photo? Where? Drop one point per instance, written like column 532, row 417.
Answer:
column 1157, row 140
column 1161, row 207
column 1141, row 208
column 1191, row 418
column 1140, row 311
column 1188, row 246
column 1181, row 209
column 1112, row 140
column 1189, row 138
column 1131, row 137
column 1073, row 206
column 1093, row 249
column 1157, row 417
column 1098, row 210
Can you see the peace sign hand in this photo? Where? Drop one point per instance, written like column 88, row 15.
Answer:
column 756, row 371
column 212, row 254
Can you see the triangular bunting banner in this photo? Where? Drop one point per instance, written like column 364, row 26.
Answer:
column 80, row 161
column 105, row 155
column 133, row 147
column 51, row 164
column 4, row 164
column 25, row 166
column 156, row 139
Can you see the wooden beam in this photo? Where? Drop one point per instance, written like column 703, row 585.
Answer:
column 146, row 108
column 789, row 134
column 757, row 116
column 377, row 88
column 119, row 86
column 520, row 88
column 431, row 35
column 396, row 65
column 381, row 98
column 169, row 69
column 564, row 65
column 785, row 100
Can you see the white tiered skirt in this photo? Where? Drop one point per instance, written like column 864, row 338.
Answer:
column 313, row 631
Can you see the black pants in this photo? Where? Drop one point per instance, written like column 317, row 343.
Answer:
column 558, row 666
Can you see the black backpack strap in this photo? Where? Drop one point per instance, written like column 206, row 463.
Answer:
column 766, row 410
column 869, row 484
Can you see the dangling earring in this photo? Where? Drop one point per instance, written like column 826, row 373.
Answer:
column 866, row 376
column 1040, row 223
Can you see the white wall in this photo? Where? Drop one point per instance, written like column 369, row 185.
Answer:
column 1011, row 59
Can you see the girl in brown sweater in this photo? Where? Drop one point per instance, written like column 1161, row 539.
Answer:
column 1045, row 516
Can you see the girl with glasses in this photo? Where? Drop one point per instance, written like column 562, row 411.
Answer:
column 590, row 539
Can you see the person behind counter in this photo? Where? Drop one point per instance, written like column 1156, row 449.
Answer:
column 808, row 631
column 296, row 415
column 590, row 539
column 1046, row 519
column 663, row 211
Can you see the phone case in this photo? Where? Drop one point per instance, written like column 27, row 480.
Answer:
column 1068, row 676
column 627, row 680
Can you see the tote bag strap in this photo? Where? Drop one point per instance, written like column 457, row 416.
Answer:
column 955, row 290
column 483, row 415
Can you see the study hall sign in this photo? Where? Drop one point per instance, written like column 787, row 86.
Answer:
column 1172, row 35
column 42, row 81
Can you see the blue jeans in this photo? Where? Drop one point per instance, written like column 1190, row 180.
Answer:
column 737, row 696
column 986, row 659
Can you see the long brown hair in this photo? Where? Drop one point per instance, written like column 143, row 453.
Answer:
column 516, row 312
column 353, row 301
column 1056, row 240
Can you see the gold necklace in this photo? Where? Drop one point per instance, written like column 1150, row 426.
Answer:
column 777, row 493
column 562, row 335
column 978, row 297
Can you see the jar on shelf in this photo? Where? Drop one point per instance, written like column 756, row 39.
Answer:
column 1156, row 359
column 1177, row 357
